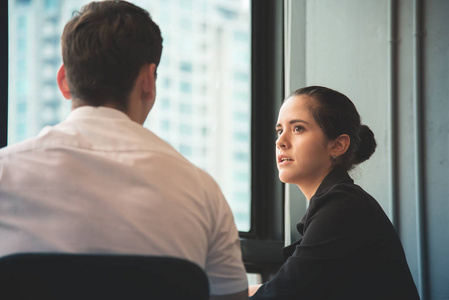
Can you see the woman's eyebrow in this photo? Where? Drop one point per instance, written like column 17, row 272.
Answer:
column 297, row 121
column 293, row 122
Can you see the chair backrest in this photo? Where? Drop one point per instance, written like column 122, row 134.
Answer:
column 90, row 276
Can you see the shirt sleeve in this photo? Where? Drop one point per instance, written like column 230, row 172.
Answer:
column 224, row 264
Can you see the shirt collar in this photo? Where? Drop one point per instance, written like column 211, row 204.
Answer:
column 97, row 112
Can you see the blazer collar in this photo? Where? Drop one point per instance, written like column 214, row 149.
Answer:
column 336, row 176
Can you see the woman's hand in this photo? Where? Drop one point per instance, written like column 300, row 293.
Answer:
column 253, row 289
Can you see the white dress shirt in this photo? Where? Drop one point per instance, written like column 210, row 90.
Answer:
column 101, row 183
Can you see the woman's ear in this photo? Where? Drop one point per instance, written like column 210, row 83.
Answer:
column 62, row 83
column 340, row 145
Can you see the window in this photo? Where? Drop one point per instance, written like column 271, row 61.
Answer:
column 22, row 23
column 185, row 108
column 241, row 136
column 21, row 108
column 23, row 2
column 185, row 87
column 241, row 76
column 185, row 150
column 185, row 84
column 186, row 66
column 166, row 82
column 186, row 130
column 51, row 4
column 186, row 24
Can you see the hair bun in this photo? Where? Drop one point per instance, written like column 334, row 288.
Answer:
column 367, row 145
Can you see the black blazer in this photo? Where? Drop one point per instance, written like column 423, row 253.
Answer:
column 349, row 250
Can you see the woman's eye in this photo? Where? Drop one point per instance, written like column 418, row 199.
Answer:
column 298, row 128
column 278, row 132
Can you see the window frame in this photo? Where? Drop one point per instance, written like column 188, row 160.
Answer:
column 261, row 247
column 3, row 73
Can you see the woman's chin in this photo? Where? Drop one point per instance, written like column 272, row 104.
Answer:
column 284, row 178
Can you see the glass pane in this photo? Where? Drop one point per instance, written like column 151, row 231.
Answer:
column 203, row 105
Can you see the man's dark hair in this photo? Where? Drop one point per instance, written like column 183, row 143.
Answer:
column 104, row 47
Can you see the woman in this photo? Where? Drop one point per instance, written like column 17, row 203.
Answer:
column 349, row 249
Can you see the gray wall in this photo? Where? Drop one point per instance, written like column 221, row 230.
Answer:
column 397, row 74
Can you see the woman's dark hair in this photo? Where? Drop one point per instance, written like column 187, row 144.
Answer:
column 337, row 115
column 104, row 46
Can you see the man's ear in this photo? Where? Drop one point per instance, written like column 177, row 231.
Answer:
column 340, row 145
column 149, row 82
column 62, row 83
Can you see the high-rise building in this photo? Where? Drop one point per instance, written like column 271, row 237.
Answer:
column 34, row 59
column 203, row 105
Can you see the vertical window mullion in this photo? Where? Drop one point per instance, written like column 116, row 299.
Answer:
column 3, row 72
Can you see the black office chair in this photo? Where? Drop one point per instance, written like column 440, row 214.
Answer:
column 89, row 276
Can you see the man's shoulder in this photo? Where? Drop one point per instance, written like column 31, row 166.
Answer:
column 19, row 147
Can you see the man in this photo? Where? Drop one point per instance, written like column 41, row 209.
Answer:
column 100, row 182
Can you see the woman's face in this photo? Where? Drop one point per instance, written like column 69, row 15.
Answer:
column 302, row 149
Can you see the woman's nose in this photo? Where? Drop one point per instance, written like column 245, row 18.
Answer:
column 280, row 142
